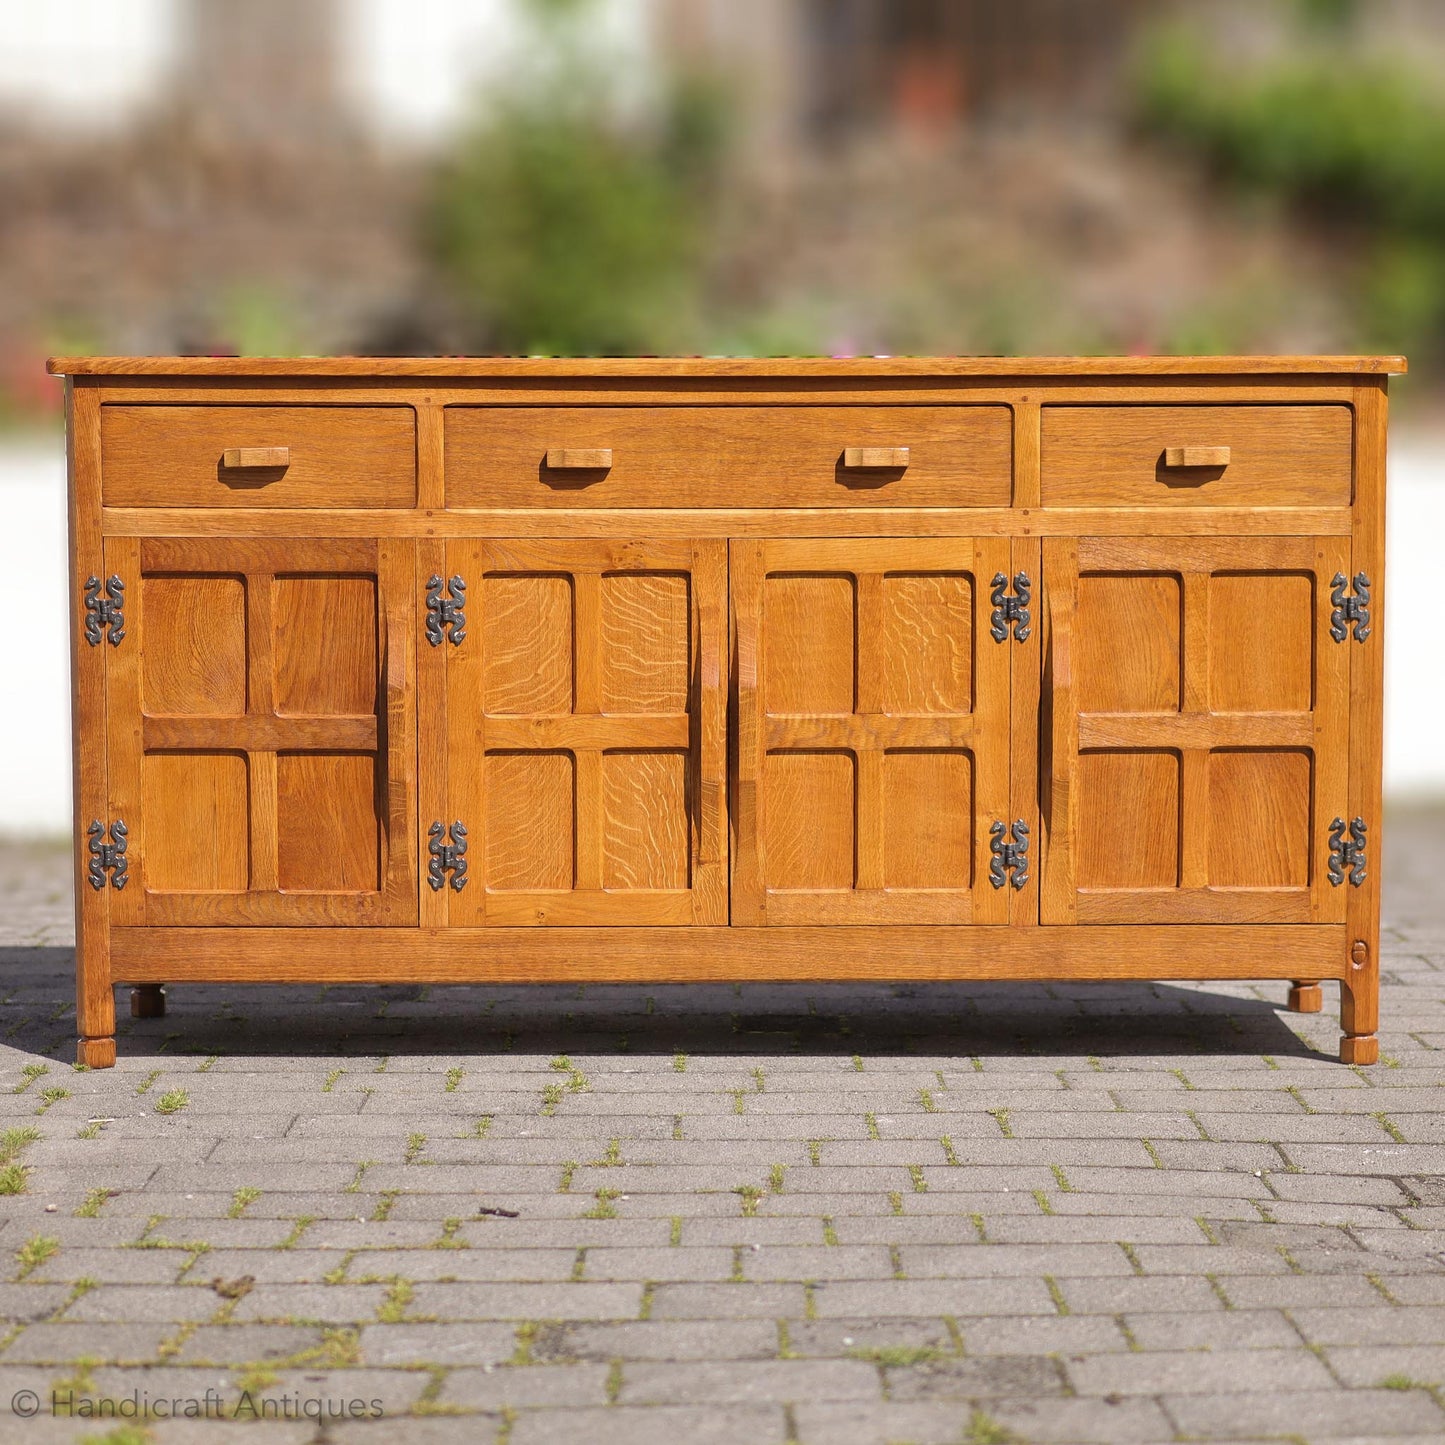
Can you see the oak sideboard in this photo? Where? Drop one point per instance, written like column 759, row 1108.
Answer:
column 675, row 670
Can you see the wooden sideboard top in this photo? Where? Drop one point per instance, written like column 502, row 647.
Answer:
column 862, row 366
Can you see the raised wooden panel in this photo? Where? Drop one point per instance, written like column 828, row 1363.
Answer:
column 809, row 621
column 1261, row 800
column 873, row 735
column 645, row 624
column 1195, row 729
column 808, row 801
column 927, row 642
column 196, row 661
column 1128, row 820
column 334, row 456
column 195, row 807
column 645, row 812
column 927, row 818
column 261, row 731
column 328, row 825
column 526, row 630
column 587, row 737
column 1278, row 456
column 529, row 803
column 1262, row 630
column 325, row 645
column 1128, row 642
column 731, row 456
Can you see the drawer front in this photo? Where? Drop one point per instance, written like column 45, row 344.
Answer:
column 258, row 456
column 1193, row 456
column 736, row 456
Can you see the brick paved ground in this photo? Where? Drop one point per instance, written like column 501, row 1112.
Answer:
column 764, row 1214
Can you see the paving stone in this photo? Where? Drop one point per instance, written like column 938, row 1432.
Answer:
column 477, row 1301
column 653, row 1425
column 930, row 1423
column 438, row 1344
column 145, row 1304
column 331, row 1304
column 1322, row 1414
column 671, row 1339
column 1419, row 1326
column 523, row 1265
column 728, row 1301
column 1157, row 1372
column 1213, row 1330
column 1001, row 1375
column 519, row 1386
column 748, row 1382
column 245, row 1344
column 1367, row 1365
column 44, row 1344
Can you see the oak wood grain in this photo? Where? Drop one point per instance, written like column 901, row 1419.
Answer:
column 94, row 997
column 586, row 736
column 172, row 456
column 1275, row 456
column 375, row 367
column 689, row 954
column 743, row 456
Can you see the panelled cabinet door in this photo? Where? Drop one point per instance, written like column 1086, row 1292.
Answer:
column 873, row 731
column 1196, row 709
column 261, row 730
column 586, row 721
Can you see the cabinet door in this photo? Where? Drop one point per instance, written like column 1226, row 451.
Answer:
column 1196, row 712
column 873, row 731
column 261, row 729
column 586, row 719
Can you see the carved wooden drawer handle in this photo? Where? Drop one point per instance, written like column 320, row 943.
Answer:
column 874, row 459
column 1196, row 456
column 579, row 459
column 239, row 459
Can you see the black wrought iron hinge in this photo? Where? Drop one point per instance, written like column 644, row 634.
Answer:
column 107, row 857
column 104, row 612
column 447, row 857
column 1011, row 856
column 1347, row 855
column 445, row 612
column 1350, row 611
column 1010, row 611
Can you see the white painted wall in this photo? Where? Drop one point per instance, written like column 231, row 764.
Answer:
column 34, row 646
column 35, row 675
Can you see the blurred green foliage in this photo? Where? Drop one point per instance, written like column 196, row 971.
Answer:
column 1358, row 141
column 566, row 222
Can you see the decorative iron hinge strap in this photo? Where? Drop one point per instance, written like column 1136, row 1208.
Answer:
column 1347, row 856
column 107, row 857
column 1010, row 611
column 447, row 857
column 1350, row 611
column 1009, row 856
column 445, row 612
column 107, row 611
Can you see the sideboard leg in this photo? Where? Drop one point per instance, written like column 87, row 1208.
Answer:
column 1360, row 1017
column 1306, row 996
column 96, row 1053
column 148, row 1001
column 1359, row 1049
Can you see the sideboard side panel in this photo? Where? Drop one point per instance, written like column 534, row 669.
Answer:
column 1360, row 994
column 94, row 999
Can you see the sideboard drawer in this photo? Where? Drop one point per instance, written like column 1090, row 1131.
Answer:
column 734, row 456
column 258, row 456
column 1183, row 456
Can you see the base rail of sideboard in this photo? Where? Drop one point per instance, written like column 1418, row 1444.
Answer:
column 919, row 953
